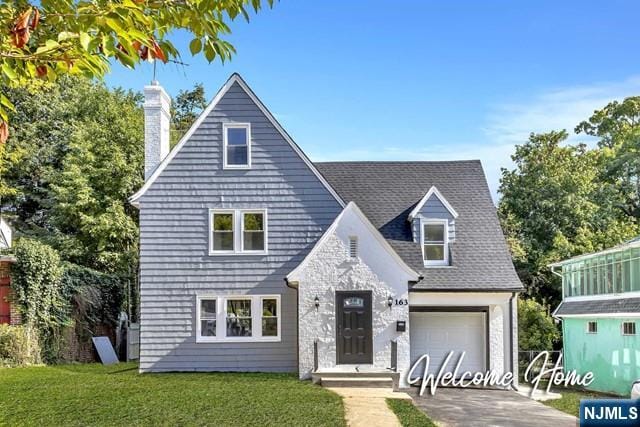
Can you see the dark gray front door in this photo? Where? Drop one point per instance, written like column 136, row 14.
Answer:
column 354, row 335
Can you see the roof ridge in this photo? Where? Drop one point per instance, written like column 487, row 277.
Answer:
column 397, row 161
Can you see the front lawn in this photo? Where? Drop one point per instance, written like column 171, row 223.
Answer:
column 570, row 400
column 117, row 395
column 408, row 414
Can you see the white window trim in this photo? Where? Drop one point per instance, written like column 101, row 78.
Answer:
column 432, row 191
column 221, row 318
column 225, row 127
column 264, row 226
column 622, row 328
column 445, row 222
column 588, row 323
column 233, row 219
column 238, row 231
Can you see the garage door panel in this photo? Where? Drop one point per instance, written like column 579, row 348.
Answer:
column 438, row 333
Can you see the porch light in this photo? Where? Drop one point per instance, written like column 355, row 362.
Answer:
column 390, row 301
column 316, row 302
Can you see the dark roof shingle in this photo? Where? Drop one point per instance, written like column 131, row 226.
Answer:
column 387, row 192
column 601, row 306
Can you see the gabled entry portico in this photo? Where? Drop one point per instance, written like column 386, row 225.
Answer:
column 345, row 285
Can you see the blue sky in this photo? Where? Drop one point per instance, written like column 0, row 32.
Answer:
column 423, row 80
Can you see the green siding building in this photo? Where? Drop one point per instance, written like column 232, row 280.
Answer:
column 600, row 312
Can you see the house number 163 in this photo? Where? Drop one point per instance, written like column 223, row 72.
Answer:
column 402, row 301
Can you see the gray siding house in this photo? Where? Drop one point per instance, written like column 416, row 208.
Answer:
column 253, row 258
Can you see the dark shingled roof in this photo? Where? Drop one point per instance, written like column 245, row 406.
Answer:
column 387, row 192
column 602, row 306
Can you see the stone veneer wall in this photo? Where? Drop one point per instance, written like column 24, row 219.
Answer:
column 332, row 269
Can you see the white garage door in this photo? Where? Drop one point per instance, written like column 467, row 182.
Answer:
column 438, row 333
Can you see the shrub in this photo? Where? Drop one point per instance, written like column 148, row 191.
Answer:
column 18, row 346
column 96, row 298
column 37, row 292
column 53, row 295
column 536, row 328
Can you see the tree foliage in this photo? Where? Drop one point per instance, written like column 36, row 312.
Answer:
column 52, row 295
column 47, row 38
column 95, row 298
column 74, row 158
column 185, row 109
column 37, row 292
column 562, row 200
column 536, row 328
column 617, row 126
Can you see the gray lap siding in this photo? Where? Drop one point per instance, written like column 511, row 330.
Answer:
column 175, row 265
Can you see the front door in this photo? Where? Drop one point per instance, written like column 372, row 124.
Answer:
column 354, row 331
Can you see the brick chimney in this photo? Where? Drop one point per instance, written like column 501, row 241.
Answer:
column 157, row 116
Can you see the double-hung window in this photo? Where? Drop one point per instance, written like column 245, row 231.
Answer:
column 208, row 317
column 237, row 145
column 238, row 318
column 222, row 224
column 253, row 231
column 628, row 328
column 269, row 317
column 435, row 248
column 238, row 231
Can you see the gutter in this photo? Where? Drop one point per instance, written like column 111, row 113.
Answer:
column 470, row 290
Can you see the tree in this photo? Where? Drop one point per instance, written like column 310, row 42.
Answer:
column 70, row 167
column 47, row 38
column 186, row 107
column 618, row 127
column 536, row 329
column 94, row 224
column 553, row 206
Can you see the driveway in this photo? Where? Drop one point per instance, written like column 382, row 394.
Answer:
column 477, row 407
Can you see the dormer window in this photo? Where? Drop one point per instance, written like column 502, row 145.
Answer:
column 237, row 145
column 435, row 247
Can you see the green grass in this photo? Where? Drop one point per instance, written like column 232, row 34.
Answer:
column 570, row 400
column 408, row 414
column 74, row 395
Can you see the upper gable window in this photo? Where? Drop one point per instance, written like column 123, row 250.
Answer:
column 237, row 145
column 435, row 247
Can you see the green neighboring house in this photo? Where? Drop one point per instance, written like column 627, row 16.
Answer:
column 600, row 313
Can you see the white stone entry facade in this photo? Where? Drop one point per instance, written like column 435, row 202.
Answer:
column 330, row 268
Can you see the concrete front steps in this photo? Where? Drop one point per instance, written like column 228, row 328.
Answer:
column 366, row 379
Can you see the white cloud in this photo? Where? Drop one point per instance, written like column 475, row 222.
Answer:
column 555, row 109
column 508, row 124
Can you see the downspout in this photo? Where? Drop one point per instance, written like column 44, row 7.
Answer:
column 286, row 282
column 560, row 318
column 511, row 340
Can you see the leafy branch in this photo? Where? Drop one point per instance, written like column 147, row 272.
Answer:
column 49, row 38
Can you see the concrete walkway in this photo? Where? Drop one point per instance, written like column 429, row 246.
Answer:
column 367, row 407
column 478, row 407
